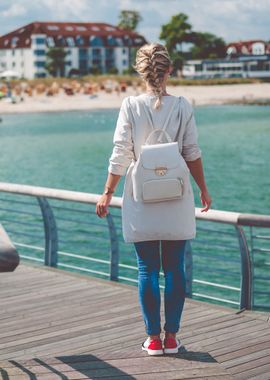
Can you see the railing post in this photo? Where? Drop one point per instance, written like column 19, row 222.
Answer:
column 246, row 274
column 114, row 259
column 51, row 236
column 188, row 268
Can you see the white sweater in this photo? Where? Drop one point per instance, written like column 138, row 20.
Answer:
column 140, row 221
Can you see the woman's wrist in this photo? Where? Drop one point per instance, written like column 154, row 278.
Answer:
column 204, row 190
column 108, row 190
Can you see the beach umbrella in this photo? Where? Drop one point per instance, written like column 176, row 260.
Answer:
column 9, row 74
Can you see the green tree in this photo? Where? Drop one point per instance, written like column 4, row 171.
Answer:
column 207, row 45
column 129, row 71
column 113, row 70
column 95, row 70
column 175, row 33
column 55, row 61
column 129, row 20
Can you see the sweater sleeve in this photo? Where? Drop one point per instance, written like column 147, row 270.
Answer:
column 123, row 151
column 190, row 150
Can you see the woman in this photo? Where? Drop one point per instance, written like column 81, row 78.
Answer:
column 148, row 226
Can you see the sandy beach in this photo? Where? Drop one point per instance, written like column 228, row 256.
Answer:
column 197, row 95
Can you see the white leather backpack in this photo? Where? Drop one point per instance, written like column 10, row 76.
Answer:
column 160, row 173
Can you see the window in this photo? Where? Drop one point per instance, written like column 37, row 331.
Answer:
column 40, row 75
column 111, row 40
column 119, row 41
column 14, row 41
column 53, row 27
column 50, row 42
column 70, row 41
column 79, row 41
column 95, row 41
column 96, row 28
column 39, row 52
column 39, row 64
column 40, row 40
column 258, row 48
column 124, row 62
column 13, row 52
column 109, row 53
column 96, row 52
column 83, row 54
column 13, row 64
column 61, row 41
column 124, row 51
column 127, row 40
column 81, row 28
column 109, row 28
column 69, row 28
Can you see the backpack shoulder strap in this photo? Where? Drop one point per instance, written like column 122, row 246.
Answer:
column 180, row 123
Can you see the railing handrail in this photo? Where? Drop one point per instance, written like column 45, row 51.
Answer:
column 228, row 217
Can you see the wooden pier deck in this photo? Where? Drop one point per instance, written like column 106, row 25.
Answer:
column 61, row 325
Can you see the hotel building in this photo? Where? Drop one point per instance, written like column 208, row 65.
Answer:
column 88, row 45
column 245, row 59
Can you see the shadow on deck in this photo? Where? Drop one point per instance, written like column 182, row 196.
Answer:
column 61, row 325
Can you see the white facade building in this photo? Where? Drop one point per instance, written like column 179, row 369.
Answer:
column 88, row 46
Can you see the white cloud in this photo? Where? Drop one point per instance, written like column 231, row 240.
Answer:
column 14, row 10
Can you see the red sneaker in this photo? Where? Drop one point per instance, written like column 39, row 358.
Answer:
column 171, row 345
column 153, row 347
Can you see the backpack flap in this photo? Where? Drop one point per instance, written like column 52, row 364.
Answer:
column 160, row 155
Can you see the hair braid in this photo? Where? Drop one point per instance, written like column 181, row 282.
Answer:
column 152, row 61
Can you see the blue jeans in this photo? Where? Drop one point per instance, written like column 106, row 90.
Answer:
column 148, row 259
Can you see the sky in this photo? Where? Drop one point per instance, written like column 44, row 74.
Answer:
column 232, row 20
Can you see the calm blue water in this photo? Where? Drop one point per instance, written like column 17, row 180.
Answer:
column 70, row 150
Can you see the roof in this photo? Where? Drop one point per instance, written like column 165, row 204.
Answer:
column 80, row 32
column 247, row 45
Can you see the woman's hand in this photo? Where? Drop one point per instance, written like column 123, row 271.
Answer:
column 206, row 200
column 102, row 205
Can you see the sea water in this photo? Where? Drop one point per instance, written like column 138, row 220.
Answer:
column 70, row 150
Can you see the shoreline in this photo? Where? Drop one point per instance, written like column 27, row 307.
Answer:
column 237, row 94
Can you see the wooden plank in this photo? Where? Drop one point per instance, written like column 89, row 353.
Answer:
column 56, row 334
column 81, row 314
column 77, row 295
column 249, row 362
column 249, row 348
column 246, row 358
column 262, row 369
column 80, row 317
column 217, row 343
column 118, row 368
column 209, row 334
column 224, row 353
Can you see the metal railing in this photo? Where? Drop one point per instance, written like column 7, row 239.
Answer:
column 227, row 263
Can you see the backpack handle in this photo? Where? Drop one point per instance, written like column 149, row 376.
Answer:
column 160, row 130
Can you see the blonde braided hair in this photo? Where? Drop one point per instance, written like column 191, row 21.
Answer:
column 152, row 62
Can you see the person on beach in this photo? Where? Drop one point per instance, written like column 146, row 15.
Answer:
column 151, row 227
